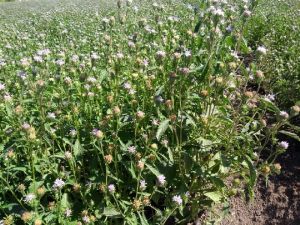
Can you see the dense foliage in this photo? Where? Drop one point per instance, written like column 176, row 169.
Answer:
column 131, row 112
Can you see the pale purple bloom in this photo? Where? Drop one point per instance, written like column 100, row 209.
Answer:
column 29, row 198
column 7, row 97
column 283, row 144
column 270, row 97
column 161, row 180
column 131, row 149
column 132, row 91
column 131, row 44
column 91, row 80
column 105, row 20
column 60, row 62
column 58, row 183
column 161, row 54
column 86, row 219
column 177, row 200
column 25, row 126
column 120, row 55
column 127, row 85
column 2, row 86
column 94, row 56
column 155, row 122
column 51, row 115
column 75, row 58
column 145, row 62
column 68, row 212
column 38, row 58
column 111, row 188
column 187, row 53
column 165, row 142
column 143, row 185
column 284, row 114
column 22, row 75
column 73, row 133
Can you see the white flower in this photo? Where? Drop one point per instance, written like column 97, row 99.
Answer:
column 284, row 114
column 38, row 58
column 177, row 200
column 94, row 56
column 131, row 149
column 68, row 212
column 120, row 55
column 143, row 185
column 91, row 80
column 161, row 54
column 51, row 115
column 161, row 180
column 132, row 91
column 7, row 97
column 29, row 198
column 60, row 62
column 187, row 53
column 247, row 13
column 105, row 20
column 283, row 144
column 25, row 62
column 25, row 126
column 111, row 188
column 75, row 58
column 270, row 97
column 262, row 50
column 73, row 133
column 127, row 85
column 86, row 219
column 58, row 183
column 2, row 86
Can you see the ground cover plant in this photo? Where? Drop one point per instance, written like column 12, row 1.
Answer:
column 132, row 112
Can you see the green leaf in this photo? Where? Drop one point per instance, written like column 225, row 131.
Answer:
column 162, row 128
column 65, row 201
column 143, row 219
column 253, row 176
column 77, row 148
column 290, row 134
column 170, row 153
column 153, row 170
column 111, row 212
column 215, row 196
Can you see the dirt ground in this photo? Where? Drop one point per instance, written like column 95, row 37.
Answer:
column 277, row 204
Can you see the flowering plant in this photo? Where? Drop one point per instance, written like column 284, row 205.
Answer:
column 125, row 118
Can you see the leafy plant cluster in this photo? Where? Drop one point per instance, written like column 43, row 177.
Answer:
column 276, row 25
column 140, row 113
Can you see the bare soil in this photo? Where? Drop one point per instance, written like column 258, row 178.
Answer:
column 278, row 203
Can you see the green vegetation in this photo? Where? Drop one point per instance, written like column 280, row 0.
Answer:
column 136, row 112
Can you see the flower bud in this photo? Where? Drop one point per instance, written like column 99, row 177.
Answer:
column 108, row 159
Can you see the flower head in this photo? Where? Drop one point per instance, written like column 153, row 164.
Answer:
column 68, row 212
column 58, row 183
column 131, row 149
column 177, row 200
column 161, row 180
column 283, row 145
column 111, row 188
column 29, row 198
column 143, row 185
column 262, row 50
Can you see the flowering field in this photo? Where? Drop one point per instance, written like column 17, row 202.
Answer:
column 134, row 112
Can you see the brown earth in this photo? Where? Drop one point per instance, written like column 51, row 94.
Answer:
column 278, row 203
